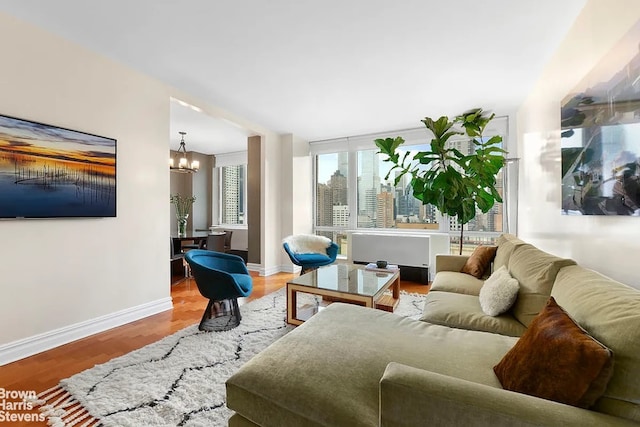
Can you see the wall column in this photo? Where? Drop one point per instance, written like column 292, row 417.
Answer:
column 254, row 198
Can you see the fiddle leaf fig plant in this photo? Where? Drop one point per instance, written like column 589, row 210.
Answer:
column 454, row 182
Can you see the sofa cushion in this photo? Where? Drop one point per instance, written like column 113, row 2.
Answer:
column 450, row 281
column 448, row 262
column 507, row 243
column 535, row 271
column 555, row 359
column 464, row 312
column 327, row 371
column 498, row 293
column 480, row 261
column 610, row 312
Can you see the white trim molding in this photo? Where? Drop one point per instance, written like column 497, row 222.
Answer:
column 264, row 271
column 291, row 268
column 25, row 347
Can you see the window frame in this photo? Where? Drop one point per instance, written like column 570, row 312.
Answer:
column 221, row 196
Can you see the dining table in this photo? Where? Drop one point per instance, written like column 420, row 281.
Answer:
column 198, row 240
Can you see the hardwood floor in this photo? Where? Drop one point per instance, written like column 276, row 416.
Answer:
column 45, row 370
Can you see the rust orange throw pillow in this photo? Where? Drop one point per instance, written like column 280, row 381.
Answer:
column 479, row 261
column 556, row 359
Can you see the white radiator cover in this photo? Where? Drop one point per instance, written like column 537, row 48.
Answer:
column 412, row 250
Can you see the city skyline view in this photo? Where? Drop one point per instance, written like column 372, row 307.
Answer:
column 232, row 186
column 381, row 203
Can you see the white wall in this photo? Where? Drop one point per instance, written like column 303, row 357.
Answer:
column 607, row 244
column 271, row 209
column 297, row 192
column 57, row 273
column 58, row 276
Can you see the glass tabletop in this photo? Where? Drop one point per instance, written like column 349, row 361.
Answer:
column 348, row 278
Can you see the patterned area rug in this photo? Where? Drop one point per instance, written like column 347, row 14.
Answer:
column 179, row 380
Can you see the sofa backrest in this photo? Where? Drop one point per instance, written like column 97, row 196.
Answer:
column 506, row 245
column 610, row 312
column 536, row 272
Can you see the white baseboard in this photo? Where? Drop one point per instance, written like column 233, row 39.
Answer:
column 290, row 268
column 262, row 271
column 271, row 270
column 25, row 347
column 254, row 267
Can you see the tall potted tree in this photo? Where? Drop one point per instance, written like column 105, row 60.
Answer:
column 455, row 183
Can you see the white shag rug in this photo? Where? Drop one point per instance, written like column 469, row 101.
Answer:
column 179, row 380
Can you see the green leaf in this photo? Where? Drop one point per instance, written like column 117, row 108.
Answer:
column 494, row 150
column 425, row 154
column 445, row 137
column 417, row 184
column 398, row 177
column 497, row 139
column 388, row 145
column 496, row 195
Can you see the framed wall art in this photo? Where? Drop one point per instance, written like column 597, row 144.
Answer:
column 600, row 138
column 51, row 172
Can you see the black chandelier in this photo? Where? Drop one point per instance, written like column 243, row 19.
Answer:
column 182, row 161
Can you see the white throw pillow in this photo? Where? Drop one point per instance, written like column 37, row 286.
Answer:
column 499, row 292
column 308, row 243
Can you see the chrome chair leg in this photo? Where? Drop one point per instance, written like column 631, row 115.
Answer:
column 220, row 315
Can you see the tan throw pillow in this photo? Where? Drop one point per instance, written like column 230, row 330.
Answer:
column 479, row 261
column 556, row 359
column 498, row 293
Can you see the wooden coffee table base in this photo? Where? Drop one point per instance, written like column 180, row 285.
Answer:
column 387, row 303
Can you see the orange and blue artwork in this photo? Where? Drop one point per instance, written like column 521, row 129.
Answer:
column 48, row 171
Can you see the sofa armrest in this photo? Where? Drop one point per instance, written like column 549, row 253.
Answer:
column 450, row 262
column 411, row 396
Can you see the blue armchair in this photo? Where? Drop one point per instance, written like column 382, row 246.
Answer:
column 310, row 251
column 221, row 278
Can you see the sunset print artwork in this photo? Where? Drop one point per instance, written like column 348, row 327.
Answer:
column 48, row 171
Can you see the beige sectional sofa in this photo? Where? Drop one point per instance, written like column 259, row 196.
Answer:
column 353, row 366
column 453, row 298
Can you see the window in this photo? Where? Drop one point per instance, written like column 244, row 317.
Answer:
column 332, row 205
column 332, row 195
column 233, row 203
column 382, row 203
column 352, row 192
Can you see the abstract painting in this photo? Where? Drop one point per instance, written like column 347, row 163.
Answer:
column 600, row 139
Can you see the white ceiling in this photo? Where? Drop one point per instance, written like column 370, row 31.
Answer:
column 321, row 69
column 205, row 134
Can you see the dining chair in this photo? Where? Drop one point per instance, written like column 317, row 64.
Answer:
column 215, row 242
column 227, row 240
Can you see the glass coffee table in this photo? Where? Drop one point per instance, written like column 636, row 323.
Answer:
column 348, row 283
